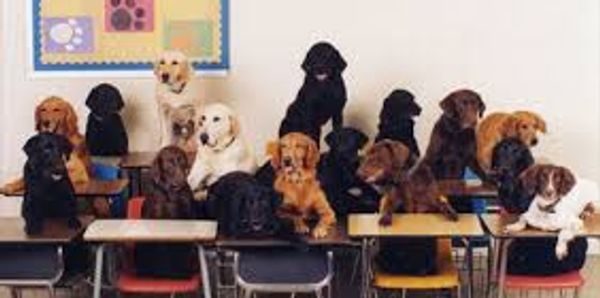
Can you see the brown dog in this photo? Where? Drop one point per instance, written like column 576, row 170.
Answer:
column 415, row 190
column 170, row 195
column 496, row 127
column 55, row 115
column 294, row 158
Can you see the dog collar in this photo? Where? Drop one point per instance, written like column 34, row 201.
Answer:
column 178, row 91
column 226, row 145
column 549, row 208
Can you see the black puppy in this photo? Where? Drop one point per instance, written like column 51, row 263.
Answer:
column 105, row 133
column 321, row 97
column 396, row 119
column 245, row 208
column 509, row 159
column 48, row 190
column 346, row 192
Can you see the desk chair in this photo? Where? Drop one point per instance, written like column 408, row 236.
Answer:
column 31, row 266
column 283, row 270
column 129, row 282
column 567, row 281
column 447, row 276
column 108, row 172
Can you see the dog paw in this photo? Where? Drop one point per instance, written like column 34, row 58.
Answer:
column 301, row 228
column 320, row 232
column 513, row 228
column 561, row 251
column 385, row 220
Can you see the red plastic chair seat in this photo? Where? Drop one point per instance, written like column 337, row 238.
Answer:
column 130, row 283
column 571, row 279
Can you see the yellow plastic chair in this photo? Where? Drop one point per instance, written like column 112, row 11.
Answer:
column 447, row 276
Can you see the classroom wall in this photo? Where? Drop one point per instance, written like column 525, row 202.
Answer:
column 534, row 54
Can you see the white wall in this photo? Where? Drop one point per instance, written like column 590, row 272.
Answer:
column 519, row 54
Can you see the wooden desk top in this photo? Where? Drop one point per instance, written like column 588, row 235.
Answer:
column 54, row 231
column 137, row 160
column 122, row 230
column 473, row 188
column 338, row 236
column 414, row 225
column 495, row 224
column 92, row 188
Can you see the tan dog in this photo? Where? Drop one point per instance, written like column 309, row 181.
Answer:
column 174, row 88
column 56, row 115
column 496, row 127
column 294, row 158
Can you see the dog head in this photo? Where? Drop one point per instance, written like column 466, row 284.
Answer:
column 173, row 69
column 218, row 127
column 183, row 122
column 384, row 161
column 56, row 115
column 399, row 104
column 323, row 61
column 293, row 153
column 345, row 144
column 170, row 168
column 525, row 125
column 510, row 157
column 104, row 100
column 259, row 205
column 47, row 154
column 548, row 182
column 463, row 106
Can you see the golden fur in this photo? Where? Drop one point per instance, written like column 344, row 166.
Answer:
column 496, row 127
column 56, row 115
column 294, row 158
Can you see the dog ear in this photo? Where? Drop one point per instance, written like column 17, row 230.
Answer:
column 510, row 127
column 540, row 124
column 37, row 117
column 31, row 146
column 234, row 124
column 312, row 154
column 448, row 105
column 400, row 155
column 529, row 178
column 160, row 60
column 566, row 181
column 481, row 105
column 156, row 169
column 414, row 109
column 70, row 119
column 187, row 69
column 332, row 138
column 274, row 151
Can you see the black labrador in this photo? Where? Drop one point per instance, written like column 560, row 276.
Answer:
column 321, row 97
column 396, row 119
column 49, row 192
column 105, row 133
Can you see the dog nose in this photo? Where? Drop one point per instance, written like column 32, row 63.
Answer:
column 46, row 123
column 204, row 138
column 287, row 162
column 534, row 142
column 165, row 77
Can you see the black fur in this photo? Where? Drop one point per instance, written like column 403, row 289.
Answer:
column 396, row 119
column 528, row 256
column 48, row 190
column 105, row 133
column 318, row 101
column 346, row 192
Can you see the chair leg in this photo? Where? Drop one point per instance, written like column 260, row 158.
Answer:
column 51, row 291
column 576, row 293
column 247, row 293
column 15, row 292
column 319, row 293
column 404, row 293
column 173, row 295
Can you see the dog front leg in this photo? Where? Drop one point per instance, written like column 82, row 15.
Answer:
column 520, row 225
column 300, row 225
column 564, row 237
column 326, row 218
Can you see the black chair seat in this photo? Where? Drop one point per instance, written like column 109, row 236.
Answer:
column 282, row 266
column 29, row 262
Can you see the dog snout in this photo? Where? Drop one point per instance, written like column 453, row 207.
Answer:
column 45, row 123
column 164, row 77
column 204, row 138
column 534, row 142
column 287, row 162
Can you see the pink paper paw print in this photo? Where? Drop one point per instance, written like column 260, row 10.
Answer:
column 129, row 15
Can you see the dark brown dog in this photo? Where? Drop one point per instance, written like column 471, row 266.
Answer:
column 170, row 195
column 414, row 190
column 452, row 146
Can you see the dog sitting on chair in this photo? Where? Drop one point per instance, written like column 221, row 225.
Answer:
column 295, row 157
column 557, row 205
column 105, row 133
column 48, row 189
column 396, row 119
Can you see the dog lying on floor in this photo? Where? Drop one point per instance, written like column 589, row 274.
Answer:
column 221, row 149
column 414, row 190
column 294, row 158
column 48, row 189
column 557, row 205
column 396, row 119
column 169, row 197
column 523, row 125
column 321, row 97
column 105, row 134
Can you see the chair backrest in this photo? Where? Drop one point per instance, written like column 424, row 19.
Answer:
column 105, row 172
column 134, row 207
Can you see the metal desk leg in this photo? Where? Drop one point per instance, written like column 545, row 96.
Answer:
column 365, row 267
column 470, row 267
column 204, row 272
column 98, row 271
column 503, row 258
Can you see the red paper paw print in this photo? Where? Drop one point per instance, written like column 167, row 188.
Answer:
column 129, row 15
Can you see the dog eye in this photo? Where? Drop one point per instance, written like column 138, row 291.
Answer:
column 524, row 126
column 174, row 62
column 203, row 118
column 162, row 62
column 55, row 110
column 216, row 119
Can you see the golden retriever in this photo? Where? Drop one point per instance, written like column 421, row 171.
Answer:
column 55, row 115
column 496, row 127
column 294, row 158
column 174, row 88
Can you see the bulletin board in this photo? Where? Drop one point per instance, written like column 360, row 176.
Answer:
column 127, row 35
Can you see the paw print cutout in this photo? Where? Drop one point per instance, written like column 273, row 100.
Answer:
column 68, row 35
column 129, row 15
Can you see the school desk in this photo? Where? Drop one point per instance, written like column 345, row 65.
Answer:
column 366, row 227
column 496, row 225
column 111, row 231
column 467, row 188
